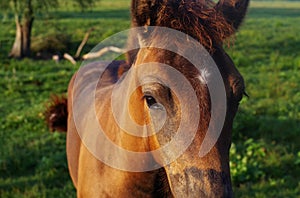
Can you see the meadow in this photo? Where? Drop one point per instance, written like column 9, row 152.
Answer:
column 265, row 154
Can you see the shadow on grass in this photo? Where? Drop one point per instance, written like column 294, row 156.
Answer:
column 254, row 12
column 34, row 161
column 267, row 127
column 122, row 14
column 273, row 12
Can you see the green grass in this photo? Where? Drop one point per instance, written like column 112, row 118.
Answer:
column 265, row 156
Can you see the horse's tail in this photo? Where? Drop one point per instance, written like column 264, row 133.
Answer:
column 56, row 113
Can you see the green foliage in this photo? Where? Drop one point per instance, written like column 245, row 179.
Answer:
column 22, row 7
column 39, row 6
column 265, row 155
column 297, row 161
column 52, row 42
column 245, row 161
column 82, row 4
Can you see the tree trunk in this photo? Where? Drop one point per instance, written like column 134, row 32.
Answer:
column 16, row 51
column 21, row 46
column 26, row 34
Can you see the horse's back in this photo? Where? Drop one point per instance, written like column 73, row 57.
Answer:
column 82, row 83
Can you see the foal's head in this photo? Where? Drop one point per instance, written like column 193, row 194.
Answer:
column 190, row 94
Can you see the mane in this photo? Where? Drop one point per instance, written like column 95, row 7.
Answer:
column 198, row 18
column 56, row 114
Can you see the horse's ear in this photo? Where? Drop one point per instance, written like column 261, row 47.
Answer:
column 144, row 12
column 233, row 10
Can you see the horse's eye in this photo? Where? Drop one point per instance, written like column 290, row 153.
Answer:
column 150, row 101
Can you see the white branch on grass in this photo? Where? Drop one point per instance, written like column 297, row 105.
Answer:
column 102, row 51
column 83, row 42
column 70, row 58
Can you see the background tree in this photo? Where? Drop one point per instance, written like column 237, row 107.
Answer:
column 24, row 13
